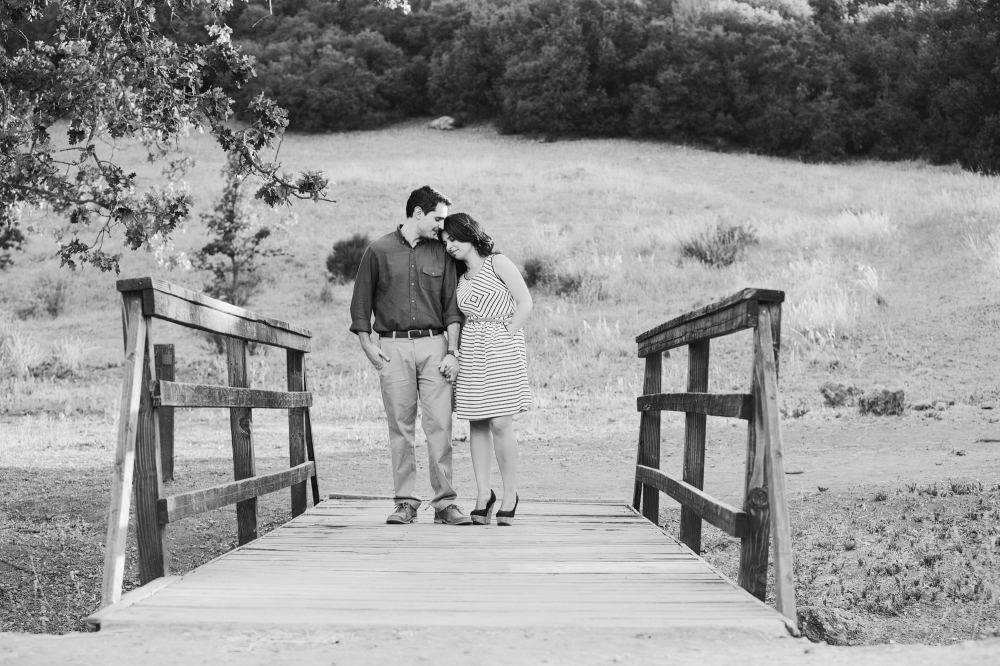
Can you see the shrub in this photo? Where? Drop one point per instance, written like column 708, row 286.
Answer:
column 721, row 247
column 342, row 264
column 539, row 271
column 568, row 284
column 543, row 272
column 11, row 241
column 48, row 295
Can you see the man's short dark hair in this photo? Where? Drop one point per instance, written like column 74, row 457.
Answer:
column 427, row 199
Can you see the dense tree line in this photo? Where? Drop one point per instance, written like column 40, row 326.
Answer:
column 818, row 80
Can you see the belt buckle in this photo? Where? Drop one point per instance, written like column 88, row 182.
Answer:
column 409, row 334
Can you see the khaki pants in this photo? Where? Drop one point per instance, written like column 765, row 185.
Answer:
column 411, row 374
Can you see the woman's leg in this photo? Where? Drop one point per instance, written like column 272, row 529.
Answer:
column 505, row 443
column 481, row 448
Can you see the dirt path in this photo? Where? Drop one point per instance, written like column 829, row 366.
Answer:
column 442, row 646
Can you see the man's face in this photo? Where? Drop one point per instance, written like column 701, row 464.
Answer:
column 428, row 225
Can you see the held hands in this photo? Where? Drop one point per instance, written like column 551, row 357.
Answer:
column 449, row 368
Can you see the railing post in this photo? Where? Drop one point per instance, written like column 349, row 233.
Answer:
column 134, row 332
column 241, row 424
column 754, row 549
column 310, row 450
column 755, row 545
column 694, row 442
column 649, row 441
column 765, row 369
column 150, row 533
column 164, row 356
column 297, row 429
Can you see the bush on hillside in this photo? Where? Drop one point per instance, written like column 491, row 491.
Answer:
column 542, row 272
column 48, row 296
column 539, row 271
column 11, row 241
column 342, row 264
column 722, row 246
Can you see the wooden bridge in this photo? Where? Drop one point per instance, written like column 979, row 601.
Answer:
column 566, row 563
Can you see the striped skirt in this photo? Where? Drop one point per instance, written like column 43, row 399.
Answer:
column 493, row 373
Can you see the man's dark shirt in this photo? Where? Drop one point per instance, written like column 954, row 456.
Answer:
column 408, row 287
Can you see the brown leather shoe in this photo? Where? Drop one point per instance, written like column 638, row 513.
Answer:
column 403, row 515
column 451, row 515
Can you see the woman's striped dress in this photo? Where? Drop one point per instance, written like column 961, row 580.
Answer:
column 493, row 370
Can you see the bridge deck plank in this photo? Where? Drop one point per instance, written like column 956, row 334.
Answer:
column 570, row 564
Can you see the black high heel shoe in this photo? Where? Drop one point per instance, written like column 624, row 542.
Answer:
column 506, row 518
column 482, row 516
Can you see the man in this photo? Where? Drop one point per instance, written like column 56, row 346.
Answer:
column 409, row 281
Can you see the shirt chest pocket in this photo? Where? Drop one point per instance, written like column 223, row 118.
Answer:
column 431, row 278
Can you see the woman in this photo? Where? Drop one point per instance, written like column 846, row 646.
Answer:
column 492, row 383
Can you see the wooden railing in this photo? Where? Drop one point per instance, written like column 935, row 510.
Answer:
column 138, row 455
column 764, row 515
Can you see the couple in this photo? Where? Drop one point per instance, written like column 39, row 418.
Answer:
column 424, row 301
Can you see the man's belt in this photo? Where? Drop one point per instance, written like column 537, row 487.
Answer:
column 411, row 335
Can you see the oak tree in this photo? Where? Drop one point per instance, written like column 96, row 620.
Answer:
column 109, row 70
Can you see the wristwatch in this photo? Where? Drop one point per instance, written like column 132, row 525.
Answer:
column 455, row 353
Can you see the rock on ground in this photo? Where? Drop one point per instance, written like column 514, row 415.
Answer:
column 822, row 624
column 442, row 123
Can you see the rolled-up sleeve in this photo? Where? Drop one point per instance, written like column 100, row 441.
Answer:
column 449, row 298
column 364, row 293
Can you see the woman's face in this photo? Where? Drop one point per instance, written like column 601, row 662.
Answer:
column 456, row 248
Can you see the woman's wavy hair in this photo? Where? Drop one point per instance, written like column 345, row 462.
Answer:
column 463, row 228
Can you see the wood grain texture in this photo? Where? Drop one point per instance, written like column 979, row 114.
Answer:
column 164, row 366
column 694, row 443
column 163, row 305
column 755, row 547
column 716, row 512
column 756, row 543
column 563, row 565
column 736, row 317
column 297, row 429
column 774, row 311
column 749, row 294
column 774, row 468
column 172, row 509
column 155, row 284
column 176, row 394
column 134, row 330
column 729, row 405
column 646, row 498
column 241, row 426
column 150, row 534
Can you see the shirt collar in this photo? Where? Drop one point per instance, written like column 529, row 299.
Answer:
column 402, row 239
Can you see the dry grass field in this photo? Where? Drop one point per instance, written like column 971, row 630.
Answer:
column 891, row 274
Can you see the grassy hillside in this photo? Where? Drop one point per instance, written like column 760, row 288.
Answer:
column 864, row 252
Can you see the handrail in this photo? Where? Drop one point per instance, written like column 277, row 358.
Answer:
column 138, row 456
column 163, row 300
column 736, row 313
column 764, row 517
